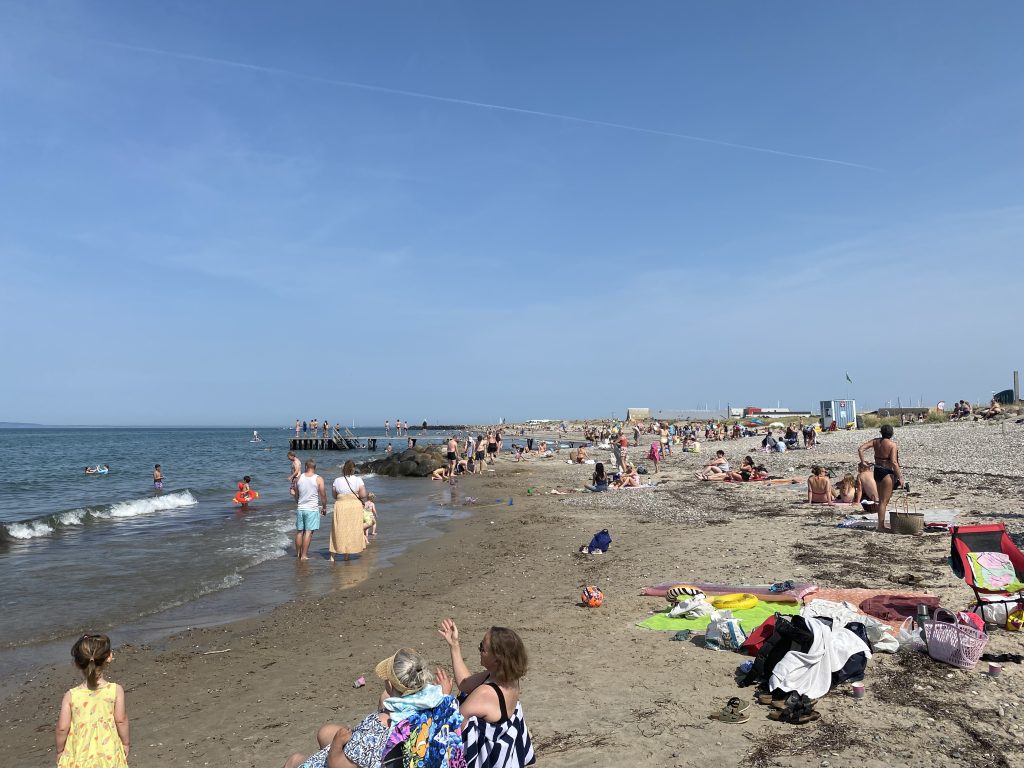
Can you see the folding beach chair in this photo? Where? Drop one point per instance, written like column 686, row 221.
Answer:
column 966, row 539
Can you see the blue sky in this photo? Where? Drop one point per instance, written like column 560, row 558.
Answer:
column 247, row 212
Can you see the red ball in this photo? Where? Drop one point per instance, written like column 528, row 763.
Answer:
column 592, row 596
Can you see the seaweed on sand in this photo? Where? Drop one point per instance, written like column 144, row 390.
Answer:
column 822, row 738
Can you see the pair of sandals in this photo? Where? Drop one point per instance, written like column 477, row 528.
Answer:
column 794, row 708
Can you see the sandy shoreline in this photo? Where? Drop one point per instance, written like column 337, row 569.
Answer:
column 601, row 691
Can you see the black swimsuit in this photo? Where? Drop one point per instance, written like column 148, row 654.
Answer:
column 501, row 701
column 881, row 472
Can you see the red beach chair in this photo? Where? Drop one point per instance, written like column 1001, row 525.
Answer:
column 984, row 538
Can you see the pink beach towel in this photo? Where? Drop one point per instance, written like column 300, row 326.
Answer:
column 883, row 604
column 761, row 591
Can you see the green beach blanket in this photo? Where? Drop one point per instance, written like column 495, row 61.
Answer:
column 750, row 618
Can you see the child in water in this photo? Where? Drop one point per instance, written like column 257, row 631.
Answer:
column 369, row 517
column 92, row 729
column 244, row 493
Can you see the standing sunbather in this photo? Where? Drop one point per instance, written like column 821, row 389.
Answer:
column 887, row 472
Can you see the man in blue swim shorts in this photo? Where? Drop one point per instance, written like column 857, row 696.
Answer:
column 311, row 507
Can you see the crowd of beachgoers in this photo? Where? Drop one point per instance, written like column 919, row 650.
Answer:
column 668, row 474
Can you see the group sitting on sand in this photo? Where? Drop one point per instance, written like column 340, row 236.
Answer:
column 874, row 484
column 419, row 722
column 601, row 481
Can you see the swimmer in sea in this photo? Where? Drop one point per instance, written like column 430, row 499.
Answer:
column 158, row 478
column 293, row 478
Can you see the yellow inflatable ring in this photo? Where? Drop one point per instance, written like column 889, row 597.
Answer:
column 737, row 601
column 682, row 592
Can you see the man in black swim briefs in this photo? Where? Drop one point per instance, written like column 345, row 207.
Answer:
column 453, row 454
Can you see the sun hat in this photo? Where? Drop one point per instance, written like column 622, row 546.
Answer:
column 385, row 670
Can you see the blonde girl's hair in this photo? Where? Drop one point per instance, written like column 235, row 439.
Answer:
column 847, row 483
column 90, row 654
column 412, row 670
column 371, row 496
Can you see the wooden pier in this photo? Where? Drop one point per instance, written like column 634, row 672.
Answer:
column 322, row 443
column 350, row 442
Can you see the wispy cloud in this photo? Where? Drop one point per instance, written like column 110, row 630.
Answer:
column 477, row 104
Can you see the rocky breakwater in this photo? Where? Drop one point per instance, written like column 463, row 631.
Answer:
column 412, row 462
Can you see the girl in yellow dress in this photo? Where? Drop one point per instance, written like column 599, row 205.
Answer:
column 92, row 729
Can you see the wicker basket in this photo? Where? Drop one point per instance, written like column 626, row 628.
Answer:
column 906, row 521
column 954, row 643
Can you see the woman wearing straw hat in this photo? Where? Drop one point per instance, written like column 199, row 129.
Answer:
column 414, row 716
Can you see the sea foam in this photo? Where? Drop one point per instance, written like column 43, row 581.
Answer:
column 47, row 524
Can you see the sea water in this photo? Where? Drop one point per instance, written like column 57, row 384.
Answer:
column 109, row 553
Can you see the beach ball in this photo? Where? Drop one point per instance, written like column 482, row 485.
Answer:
column 592, row 596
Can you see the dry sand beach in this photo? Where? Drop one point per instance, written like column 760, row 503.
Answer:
column 601, row 691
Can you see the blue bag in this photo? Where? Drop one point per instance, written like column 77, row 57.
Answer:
column 602, row 540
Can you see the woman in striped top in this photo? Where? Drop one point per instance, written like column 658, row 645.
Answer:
column 494, row 732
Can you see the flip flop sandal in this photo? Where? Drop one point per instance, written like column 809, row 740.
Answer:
column 776, row 699
column 787, row 716
column 737, row 704
column 729, row 715
column 799, row 710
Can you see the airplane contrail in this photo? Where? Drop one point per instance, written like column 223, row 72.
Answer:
column 471, row 103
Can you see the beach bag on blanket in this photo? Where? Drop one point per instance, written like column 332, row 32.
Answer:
column 756, row 639
column 601, row 541
column 724, row 632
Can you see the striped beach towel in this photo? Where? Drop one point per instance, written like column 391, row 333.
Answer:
column 498, row 745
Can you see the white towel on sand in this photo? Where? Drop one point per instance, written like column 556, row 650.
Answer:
column 810, row 673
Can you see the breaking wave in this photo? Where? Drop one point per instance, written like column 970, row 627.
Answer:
column 47, row 524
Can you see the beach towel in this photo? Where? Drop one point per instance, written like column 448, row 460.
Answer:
column 879, row 633
column 994, row 572
column 498, row 745
column 934, row 519
column 763, row 592
column 888, row 606
column 749, row 618
column 430, row 738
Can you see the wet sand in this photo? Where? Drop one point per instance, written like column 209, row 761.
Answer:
column 600, row 691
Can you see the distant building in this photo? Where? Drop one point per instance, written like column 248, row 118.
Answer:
column 638, row 414
column 754, row 411
column 842, row 412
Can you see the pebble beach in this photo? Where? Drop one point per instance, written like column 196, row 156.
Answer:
column 601, row 691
